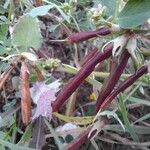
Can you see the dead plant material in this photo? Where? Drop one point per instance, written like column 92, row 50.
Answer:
column 4, row 76
column 25, row 94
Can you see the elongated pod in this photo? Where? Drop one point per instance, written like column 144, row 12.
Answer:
column 125, row 84
column 25, row 94
column 83, row 73
column 83, row 36
column 112, row 79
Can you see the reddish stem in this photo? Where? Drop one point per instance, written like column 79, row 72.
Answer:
column 83, row 137
column 112, row 79
column 83, row 36
column 84, row 72
column 125, row 84
column 80, row 140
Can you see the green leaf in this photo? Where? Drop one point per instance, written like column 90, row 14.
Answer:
column 66, row 17
column 137, row 129
column 126, row 120
column 26, row 136
column 134, row 13
column 113, row 114
column 111, row 5
column 147, row 116
column 2, row 10
column 3, row 19
column 13, row 146
column 76, row 120
column 43, row 10
column 139, row 101
column 27, row 33
column 3, row 31
column 40, row 11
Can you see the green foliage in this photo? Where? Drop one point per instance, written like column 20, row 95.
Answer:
column 70, row 16
column 26, row 136
column 126, row 120
column 111, row 6
column 112, row 114
column 13, row 146
column 40, row 11
column 3, row 31
column 26, row 33
column 134, row 13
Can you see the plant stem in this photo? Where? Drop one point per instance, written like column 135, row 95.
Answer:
column 83, row 137
column 102, row 75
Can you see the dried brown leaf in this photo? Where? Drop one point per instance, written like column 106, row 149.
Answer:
column 4, row 76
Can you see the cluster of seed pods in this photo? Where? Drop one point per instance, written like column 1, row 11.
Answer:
column 110, row 89
column 90, row 61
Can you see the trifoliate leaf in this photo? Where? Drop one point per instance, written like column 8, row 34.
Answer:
column 26, row 33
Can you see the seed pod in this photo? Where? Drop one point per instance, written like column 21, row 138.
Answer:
column 112, row 80
column 89, row 55
column 4, row 76
column 25, row 94
column 83, row 73
column 83, row 36
column 125, row 84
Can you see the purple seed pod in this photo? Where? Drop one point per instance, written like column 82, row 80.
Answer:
column 125, row 84
column 83, row 73
column 112, row 80
column 83, row 36
column 90, row 55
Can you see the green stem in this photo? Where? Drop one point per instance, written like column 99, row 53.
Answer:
column 72, row 70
